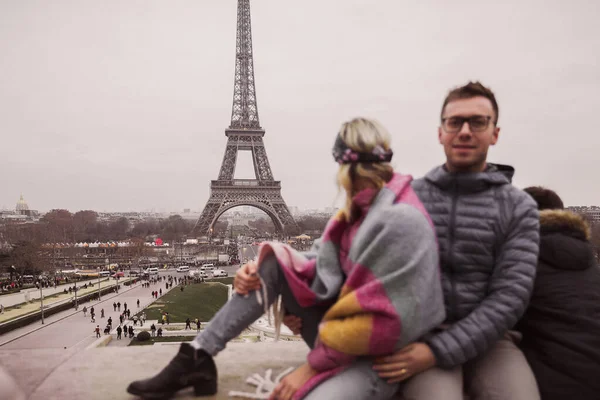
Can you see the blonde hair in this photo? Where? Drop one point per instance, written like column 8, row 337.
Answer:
column 363, row 135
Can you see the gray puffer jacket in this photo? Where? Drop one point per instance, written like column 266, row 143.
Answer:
column 488, row 234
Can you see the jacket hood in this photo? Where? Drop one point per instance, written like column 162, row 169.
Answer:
column 495, row 174
column 565, row 240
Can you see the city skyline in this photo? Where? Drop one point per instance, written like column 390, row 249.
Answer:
column 122, row 107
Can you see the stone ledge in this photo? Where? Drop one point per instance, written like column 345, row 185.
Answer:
column 104, row 373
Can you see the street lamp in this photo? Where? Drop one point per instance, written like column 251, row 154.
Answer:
column 41, row 301
column 75, row 279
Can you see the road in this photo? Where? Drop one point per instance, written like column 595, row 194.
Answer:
column 76, row 331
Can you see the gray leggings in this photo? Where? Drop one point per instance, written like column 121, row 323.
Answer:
column 358, row 382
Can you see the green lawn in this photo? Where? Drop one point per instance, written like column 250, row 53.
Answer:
column 200, row 301
column 225, row 281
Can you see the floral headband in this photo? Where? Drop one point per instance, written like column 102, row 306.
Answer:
column 343, row 154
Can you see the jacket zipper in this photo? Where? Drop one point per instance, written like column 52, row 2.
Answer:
column 452, row 300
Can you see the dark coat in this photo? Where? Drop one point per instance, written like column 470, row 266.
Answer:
column 488, row 235
column 561, row 327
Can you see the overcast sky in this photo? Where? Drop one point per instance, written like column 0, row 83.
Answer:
column 121, row 105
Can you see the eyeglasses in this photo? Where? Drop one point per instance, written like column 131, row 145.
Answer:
column 477, row 123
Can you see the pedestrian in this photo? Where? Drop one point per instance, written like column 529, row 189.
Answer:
column 92, row 311
column 129, row 314
column 166, row 285
column 119, row 306
column 93, row 317
column 120, row 319
column 163, row 319
column 115, row 306
column 138, row 303
column 168, row 318
column 135, row 320
column 160, row 292
column 143, row 317
column 153, row 329
column 159, row 333
column 130, row 331
column 97, row 330
column 119, row 330
column 125, row 306
column 84, row 311
column 102, row 313
column 188, row 324
column 197, row 325
column 110, row 321
column 377, row 271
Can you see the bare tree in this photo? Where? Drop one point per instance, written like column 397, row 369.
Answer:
column 59, row 225
column 85, row 226
column 26, row 258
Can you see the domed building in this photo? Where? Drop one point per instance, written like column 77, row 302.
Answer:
column 22, row 207
column 21, row 214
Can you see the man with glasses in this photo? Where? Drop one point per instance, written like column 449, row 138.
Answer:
column 488, row 233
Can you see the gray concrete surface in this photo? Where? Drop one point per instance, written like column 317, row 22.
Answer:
column 104, row 373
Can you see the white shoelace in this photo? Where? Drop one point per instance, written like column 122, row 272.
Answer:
column 264, row 386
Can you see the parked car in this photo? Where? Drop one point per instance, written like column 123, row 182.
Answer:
column 219, row 273
column 198, row 274
column 207, row 267
column 152, row 271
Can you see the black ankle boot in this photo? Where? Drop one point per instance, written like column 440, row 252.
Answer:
column 190, row 367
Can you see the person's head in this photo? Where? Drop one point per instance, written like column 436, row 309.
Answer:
column 468, row 127
column 546, row 199
column 362, row 149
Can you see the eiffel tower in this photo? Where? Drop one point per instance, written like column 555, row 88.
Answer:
column 244, row 134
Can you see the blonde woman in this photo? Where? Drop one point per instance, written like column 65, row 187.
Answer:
column 368, row 287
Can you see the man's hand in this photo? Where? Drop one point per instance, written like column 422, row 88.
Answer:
column 292, row 382
column 246, row 279
column 409, row 361
column 293, row 322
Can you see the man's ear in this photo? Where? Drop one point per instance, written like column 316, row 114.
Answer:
column 495, row 136
column 440, row 133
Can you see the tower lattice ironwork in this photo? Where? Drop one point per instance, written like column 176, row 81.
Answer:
column 244, row 134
